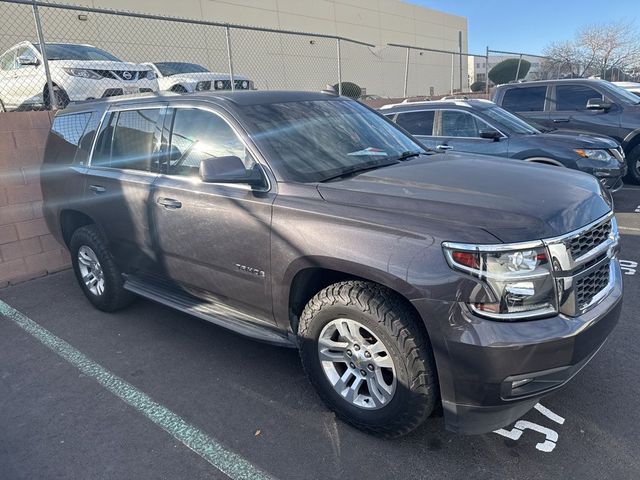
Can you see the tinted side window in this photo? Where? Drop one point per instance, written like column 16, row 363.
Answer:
column 459, row 124
column 6, row 61
column 574, row 97
column 65, row 135
column 135, row 140
column 102, row 151
column 197, row 135
column 417, row 123
column 525, row 99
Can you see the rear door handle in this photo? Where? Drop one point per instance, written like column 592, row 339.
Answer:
column 560, row 120
column 97, row 189
column 170, row 203
column 444, row 147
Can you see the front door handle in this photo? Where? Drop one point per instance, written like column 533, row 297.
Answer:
column 560, row 120
column 169, row 203
column 97, row 189
column 444, row 147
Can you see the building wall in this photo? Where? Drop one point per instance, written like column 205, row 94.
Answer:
column 272, row 60
column 27, row 249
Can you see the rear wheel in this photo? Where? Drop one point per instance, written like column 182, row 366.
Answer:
column 633, row 164
column 62, row 99
column 96, row 270
column 365, row 353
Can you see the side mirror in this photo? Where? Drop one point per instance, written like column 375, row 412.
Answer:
column 491, row 134
column 598, row 104
column 26, row 60
column 229, row 169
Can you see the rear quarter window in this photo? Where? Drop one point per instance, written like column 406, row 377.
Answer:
column 67, row 132
column 525, row 99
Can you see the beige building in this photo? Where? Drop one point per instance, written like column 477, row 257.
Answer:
column 272, row 60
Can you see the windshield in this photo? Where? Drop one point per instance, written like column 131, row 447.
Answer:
column 516, row 124
column 63, row 51
column 620, row 94
column 174, row 68
column 313, row 141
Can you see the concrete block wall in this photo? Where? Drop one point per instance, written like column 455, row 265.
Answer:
column 27, row 249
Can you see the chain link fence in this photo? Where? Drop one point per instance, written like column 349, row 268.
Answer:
column 93, row 53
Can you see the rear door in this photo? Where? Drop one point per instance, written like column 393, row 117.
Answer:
column 419, row 123
column 530, row 102
column 212, row 237
column 124, row 163
column 459, row 130
column 569, row 111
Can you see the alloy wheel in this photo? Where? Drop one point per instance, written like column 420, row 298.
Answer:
column 357, row 364
column 91, row 270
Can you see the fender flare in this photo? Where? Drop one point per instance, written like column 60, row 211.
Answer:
column 544, row 160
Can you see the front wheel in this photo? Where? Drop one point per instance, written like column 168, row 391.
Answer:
column 367, row 356
column 96, row 270
column 62, row 99
column 633, row 164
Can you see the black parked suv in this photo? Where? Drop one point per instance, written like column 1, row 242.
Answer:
column 589, row 105
column 480, row 126
column 406, row 280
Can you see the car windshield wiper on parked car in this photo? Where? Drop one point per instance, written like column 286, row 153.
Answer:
column 357, row 169
column 409, row 154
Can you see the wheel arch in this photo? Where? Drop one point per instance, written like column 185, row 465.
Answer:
column 308, row 276
column 70, row 221
column 631, row 141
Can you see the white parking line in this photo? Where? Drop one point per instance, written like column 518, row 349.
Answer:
column 226, row 461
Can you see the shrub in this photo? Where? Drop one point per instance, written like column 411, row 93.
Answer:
column 478, row 86
column 349, row 89
column 505, row 71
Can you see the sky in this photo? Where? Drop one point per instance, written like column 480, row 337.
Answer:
column 519, row 26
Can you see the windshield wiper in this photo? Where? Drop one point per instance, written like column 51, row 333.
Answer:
column 409, row 154
column 355, row 170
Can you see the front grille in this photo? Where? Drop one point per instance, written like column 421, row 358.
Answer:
column 589, row 286
column 589, row 240
column 119, row 74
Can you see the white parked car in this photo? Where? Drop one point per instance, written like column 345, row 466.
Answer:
column 633, row 87
column 78, row 72
column 183, row 77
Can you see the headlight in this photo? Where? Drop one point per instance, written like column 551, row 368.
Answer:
column 150, row 75
column 203, row 85
column 83, row 73
column 519, row 279
column 602, row 155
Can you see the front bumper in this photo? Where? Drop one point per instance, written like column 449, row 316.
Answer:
column 79, row 89
column 609, row 174
column 478, row 359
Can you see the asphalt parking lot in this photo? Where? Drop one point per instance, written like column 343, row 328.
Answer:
column 58, row 420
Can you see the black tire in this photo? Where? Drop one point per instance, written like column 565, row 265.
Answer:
column 178, row 89
column 2, row 107
column 395, row 324
column 114, row 296
column 633, row 164
column 62, row 99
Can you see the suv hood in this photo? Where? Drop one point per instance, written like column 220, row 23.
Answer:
column 578, row 139
column 575, row 140
column 198, row 76
column 99, row 65
column 513, row 200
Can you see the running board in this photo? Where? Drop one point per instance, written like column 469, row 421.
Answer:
column 215, row 312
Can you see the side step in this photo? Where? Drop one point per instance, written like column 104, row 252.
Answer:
column 214, row 312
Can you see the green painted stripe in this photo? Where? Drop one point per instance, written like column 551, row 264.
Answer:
column 228, row 462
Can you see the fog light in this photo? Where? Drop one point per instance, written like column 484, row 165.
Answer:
column 219, row 85
column 245, row 85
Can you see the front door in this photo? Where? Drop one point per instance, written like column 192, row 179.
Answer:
column 459, row 131
column 118, row 184
column 214, row 238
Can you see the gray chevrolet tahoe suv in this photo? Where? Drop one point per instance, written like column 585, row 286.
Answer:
column 579, row 104
column 406, row 279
